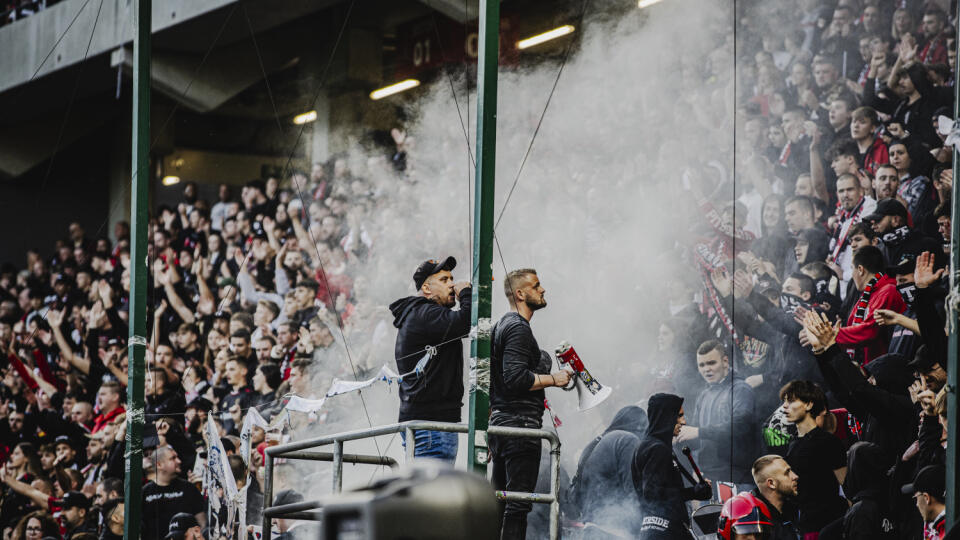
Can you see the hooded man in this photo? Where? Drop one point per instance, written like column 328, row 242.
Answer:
column 866, row 486
column 602, row 489
column 657, row 473
column 429, row 343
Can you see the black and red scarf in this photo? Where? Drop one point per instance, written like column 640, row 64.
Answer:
column 861, row 312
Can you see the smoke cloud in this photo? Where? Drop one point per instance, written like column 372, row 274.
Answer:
column 599, row 209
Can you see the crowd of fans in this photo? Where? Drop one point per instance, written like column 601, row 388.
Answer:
column 807, row 336
column 250, row 300
column 812, row 324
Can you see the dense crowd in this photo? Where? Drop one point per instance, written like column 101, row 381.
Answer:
column 250, row 300
column 807, row 339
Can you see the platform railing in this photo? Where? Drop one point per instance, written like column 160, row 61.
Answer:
column 302, row 450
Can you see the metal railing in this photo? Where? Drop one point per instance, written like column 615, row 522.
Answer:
column 300, row 450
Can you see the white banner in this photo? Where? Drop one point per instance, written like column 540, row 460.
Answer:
column 220, row 474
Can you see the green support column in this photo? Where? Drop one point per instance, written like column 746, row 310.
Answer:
column 487, row 64
column 136, row 343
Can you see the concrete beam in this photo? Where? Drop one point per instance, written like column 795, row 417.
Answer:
column 455, row 9
column 26, row 43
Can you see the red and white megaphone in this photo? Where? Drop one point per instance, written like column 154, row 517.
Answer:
column 589, row 390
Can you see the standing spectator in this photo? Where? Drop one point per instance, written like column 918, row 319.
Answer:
column 167, row 495
column 427, row 322
column 867, row 488
column 861, row 336
column 777, row 488
column 602, row 490
column 724, row 412
column 853, row 205
column 519, row 371
column 656, row 473
column 75, row 515
column 928, row 489
column 108, row 401
column 816, row 456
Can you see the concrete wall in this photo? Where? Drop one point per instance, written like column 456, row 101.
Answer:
column 26, row 43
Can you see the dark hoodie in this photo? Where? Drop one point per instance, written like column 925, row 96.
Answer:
column 818, row 242
column 866, row 485
column 437, row 393
column 602, row 489
column 656, row 476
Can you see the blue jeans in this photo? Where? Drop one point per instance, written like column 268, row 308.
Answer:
column 440, row 445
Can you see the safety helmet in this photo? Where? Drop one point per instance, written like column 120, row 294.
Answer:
column 743, row 514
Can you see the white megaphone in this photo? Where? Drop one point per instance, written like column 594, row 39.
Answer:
column 589, row 390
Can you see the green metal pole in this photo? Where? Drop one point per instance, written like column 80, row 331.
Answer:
column 952, row 350
column 137, row 343
column 487, row 64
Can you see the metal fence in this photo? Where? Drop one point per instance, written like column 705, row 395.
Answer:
column 302, row 450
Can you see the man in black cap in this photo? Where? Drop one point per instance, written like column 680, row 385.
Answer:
column 184, row 526
column 74, row 515
column 929, row 491
column 889, row 222
column 429, row 345
column 66, row 452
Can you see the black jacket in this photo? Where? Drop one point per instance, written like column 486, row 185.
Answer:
column 437, row 393
column 515, row 360
column 888, row 417
column 656, row 476
column 602, row 490
column 866, row 485
column 784, row 523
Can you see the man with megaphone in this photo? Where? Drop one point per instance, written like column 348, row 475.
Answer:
column 519, row 371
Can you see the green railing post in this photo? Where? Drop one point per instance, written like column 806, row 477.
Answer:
column 482, row 278
column 136, row 343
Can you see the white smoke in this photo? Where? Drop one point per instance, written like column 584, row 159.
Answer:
column 598, row 209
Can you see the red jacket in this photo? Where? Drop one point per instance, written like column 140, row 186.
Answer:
column 867, row 334
column 876, row 156
column 102, row 420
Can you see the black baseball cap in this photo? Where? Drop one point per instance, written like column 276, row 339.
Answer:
column 200, row 403
column 75, row 499
column 931, row 479
column 180, row 523
column 287, row 496
column 116, row 341
column 906, row 264
column 431, row 267
column 887, row 207
column 923, row 360
column 65, row 440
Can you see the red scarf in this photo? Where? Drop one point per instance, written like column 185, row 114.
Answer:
column 847, row 219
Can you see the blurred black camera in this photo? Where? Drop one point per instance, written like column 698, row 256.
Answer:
column 428, row 501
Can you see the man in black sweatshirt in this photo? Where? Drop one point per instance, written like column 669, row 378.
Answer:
column 519, row 371
column 429, row 348
column 657, row 474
